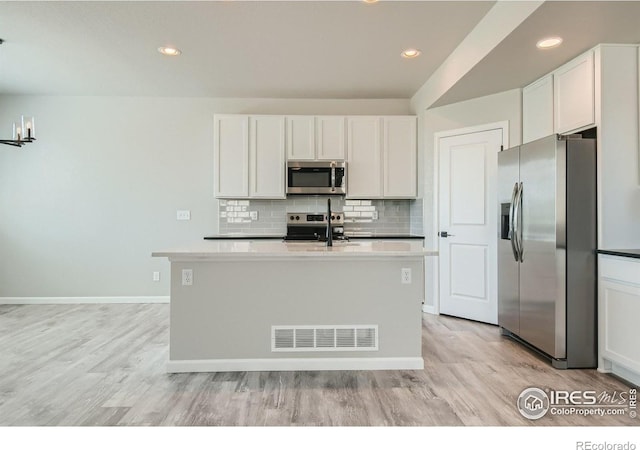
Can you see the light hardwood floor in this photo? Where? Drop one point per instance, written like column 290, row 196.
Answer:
column 104, row 365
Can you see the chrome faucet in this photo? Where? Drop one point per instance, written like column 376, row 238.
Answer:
column 329, row 230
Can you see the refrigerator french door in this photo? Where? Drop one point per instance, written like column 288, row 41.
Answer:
column 546, row 250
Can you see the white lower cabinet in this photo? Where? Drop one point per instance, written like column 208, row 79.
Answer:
column 618, row 313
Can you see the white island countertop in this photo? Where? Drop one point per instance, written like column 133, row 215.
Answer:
column 267, row 249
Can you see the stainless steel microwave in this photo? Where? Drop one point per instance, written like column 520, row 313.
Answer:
column 316, row 177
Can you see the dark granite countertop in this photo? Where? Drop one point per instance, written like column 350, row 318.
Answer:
column 629, row 253
column 359, row 236
column 384, row 236
column 243, row 236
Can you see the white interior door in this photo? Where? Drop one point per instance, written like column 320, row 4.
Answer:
column 468, row 224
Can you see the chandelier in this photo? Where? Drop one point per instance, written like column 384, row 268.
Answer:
column 24, row 132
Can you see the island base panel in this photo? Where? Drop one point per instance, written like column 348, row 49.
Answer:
column 224, row 320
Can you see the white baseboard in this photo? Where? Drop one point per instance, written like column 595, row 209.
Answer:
column 632, row 376
column 80, row 300
column 289, row 364
column 429, row 309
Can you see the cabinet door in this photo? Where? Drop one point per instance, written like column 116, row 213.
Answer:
column 399, row 150
column 618, row 310
column 231, row 152
column 301, row 137
column 619, row 307
column 364, row 167
column 537, row 109
column 574, row 94
column 266, row 157
column 330, row 137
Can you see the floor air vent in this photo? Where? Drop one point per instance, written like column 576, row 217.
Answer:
column 324, row 338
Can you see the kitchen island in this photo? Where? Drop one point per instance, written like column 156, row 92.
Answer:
column 273, row 305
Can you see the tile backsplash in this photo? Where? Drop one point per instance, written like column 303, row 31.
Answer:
column 268, row 217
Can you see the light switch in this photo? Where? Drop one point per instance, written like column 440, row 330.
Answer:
column 183, row 214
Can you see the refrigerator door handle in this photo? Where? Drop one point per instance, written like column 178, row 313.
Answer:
column 512, row 233
column 518, row 228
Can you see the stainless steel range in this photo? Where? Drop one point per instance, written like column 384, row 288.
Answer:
column 313, row 226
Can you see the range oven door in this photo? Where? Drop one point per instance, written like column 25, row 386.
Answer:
column 313, row 177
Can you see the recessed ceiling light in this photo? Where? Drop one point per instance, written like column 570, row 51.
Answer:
column 370, row 1
column 410, row 53
column 169, row 51
column 549, row 42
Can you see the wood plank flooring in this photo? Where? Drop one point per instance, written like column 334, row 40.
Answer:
column 104, row 365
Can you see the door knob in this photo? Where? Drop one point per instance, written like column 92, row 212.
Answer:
column 445, row 234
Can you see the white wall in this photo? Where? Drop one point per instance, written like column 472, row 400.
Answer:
column 493, row 108
column 82, row 208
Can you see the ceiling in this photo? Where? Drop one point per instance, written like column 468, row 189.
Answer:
column 282, row 49
column 516, row 61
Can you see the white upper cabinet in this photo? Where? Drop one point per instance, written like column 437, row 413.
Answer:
column 266, row 157
column 364, row 165
column 574, row 92
column 537, row 109
column 249, row 156
column 301, row 138
column 381, row 157
column 231, row 156
column 316, row 138
column 330, row 137
column 250, row 153
column 399, row 149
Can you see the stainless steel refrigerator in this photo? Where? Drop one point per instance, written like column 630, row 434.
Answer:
column 546, row 248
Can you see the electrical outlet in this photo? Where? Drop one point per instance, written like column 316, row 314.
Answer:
column 253, row 215
column 405, row 276
column 156, row 276
column 183, row 214
column 187, row 277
